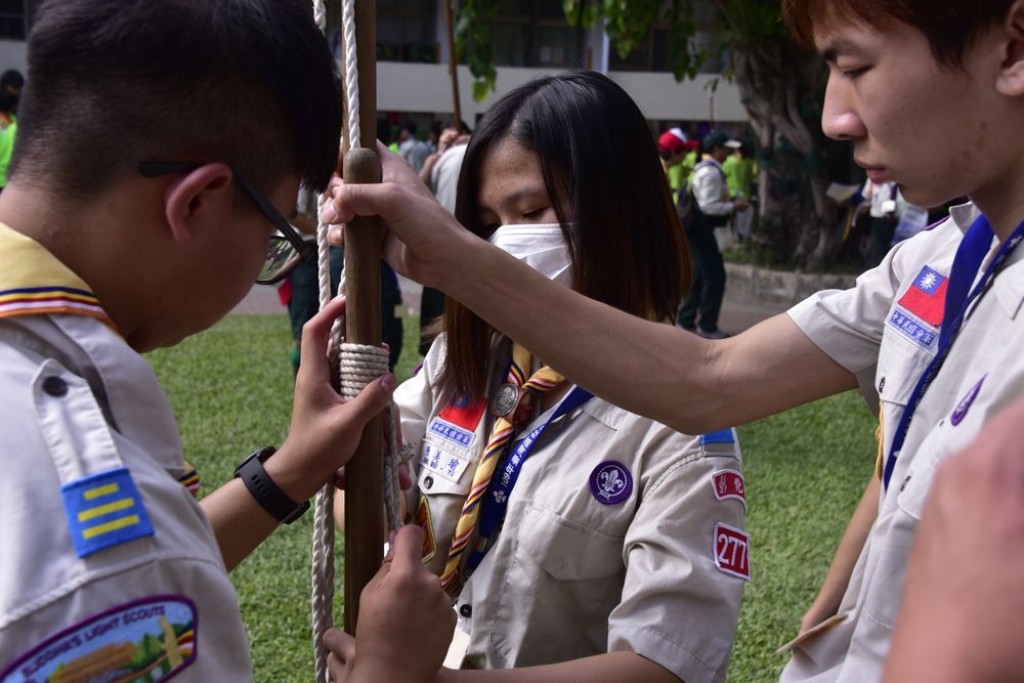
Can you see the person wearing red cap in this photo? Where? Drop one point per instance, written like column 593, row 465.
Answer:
column 673, row 148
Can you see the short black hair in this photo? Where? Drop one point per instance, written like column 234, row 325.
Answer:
column 12, row 77
column 950, row 26
column 410, row 126
column 8, row 102
column 251, row 83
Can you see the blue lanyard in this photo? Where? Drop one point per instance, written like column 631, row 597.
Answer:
column 495, row 503
column 969, row 257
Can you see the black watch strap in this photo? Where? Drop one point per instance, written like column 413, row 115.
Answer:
column 271, row 498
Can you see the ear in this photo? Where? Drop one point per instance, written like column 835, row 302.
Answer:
column 200, row 195
column 1011, row 74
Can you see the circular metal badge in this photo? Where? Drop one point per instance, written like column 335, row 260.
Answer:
column 505, row 401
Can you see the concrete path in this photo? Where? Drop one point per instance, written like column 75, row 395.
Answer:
column 737, row 315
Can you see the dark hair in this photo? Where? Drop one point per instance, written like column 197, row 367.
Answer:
column 459, row 125
column 595, row 149
column 410, row 127
column 949, row 25
column 384, row 133
column 8, row 101
column 12, row 77
column 250, row 83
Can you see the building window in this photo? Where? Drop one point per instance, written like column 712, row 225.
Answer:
column 407, row 31
column 16, row 18
column 653, row 51
column 533, row 33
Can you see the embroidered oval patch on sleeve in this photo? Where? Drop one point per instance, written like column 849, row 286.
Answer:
column 145, row 640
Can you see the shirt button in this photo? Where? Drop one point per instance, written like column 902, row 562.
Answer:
column 428, row 482
column 55, row 386
column 466, row 610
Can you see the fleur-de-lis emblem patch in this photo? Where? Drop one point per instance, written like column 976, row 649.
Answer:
column 611, row 483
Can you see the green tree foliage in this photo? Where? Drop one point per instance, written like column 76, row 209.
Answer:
column 780, row 85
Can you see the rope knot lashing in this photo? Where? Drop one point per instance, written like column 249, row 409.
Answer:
column 360, row 364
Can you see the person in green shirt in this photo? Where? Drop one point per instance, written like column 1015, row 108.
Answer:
column 8, row 129
column 740, row 171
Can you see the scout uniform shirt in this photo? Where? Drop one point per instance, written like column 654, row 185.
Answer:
column 621, row 534
column 892, row 318
column 110, row 570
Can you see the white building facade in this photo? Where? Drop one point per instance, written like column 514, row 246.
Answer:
column 529, row 38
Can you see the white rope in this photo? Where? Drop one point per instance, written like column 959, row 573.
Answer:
column 358, row 365
column 348, row 27
column 322, row 580
column 320, row 15
column 322, row 602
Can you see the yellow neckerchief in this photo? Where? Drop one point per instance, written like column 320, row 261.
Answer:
column 34, row 282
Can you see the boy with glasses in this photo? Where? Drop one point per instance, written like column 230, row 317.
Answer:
column 159, row 145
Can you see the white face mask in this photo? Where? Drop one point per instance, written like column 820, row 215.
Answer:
column 540, row 246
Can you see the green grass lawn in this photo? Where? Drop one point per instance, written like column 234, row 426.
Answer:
column 231, row 391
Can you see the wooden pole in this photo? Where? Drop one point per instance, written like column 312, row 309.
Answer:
column 364, row 506
column 453, row 65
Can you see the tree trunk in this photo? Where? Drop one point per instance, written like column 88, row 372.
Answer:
column 779, row 86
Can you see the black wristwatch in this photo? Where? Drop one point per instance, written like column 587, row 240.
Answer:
column 271, row 498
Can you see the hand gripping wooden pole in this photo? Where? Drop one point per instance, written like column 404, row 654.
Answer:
column 364, row 506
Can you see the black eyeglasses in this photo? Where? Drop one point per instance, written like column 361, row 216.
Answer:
column 286, row 249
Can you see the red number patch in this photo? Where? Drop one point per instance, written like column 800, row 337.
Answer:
column 732, row 551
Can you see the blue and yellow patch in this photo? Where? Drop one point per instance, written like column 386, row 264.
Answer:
column 104, row 510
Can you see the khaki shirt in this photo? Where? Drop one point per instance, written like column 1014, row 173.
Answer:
column 84, row 418
column 570, row 575
column 982, row 374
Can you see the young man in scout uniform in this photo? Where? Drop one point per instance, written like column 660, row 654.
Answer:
column 923, row 96
column 159, row 145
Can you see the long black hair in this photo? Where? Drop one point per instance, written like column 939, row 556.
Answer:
column 596, row 150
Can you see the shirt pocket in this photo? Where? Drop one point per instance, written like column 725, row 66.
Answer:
column 559, row 589
column 912, row 490
column 567, row 551
column 900, row 364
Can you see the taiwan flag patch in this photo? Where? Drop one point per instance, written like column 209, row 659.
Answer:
column 926, row 298
column 464, row 413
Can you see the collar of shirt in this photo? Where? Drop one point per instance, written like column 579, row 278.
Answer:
column 1008, row 287
column 964, row 215
column 34, row 282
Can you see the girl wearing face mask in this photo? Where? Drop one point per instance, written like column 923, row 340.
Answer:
column 578, row 541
